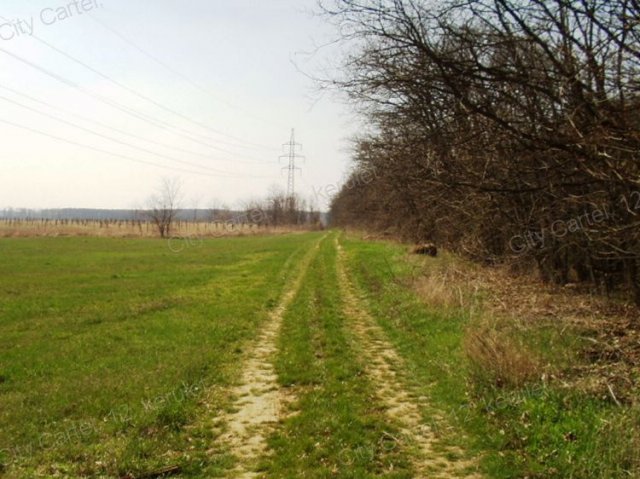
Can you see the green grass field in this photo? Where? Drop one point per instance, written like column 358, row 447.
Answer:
column 119, row 358
column 107, row 345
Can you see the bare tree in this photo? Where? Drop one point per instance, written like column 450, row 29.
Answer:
column 163, row 206
column 498, row 120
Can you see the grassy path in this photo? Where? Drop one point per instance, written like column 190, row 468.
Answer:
column 379, row 385
column 259, row 402
column 387, row 371
column 333, row 429
column 336, row 403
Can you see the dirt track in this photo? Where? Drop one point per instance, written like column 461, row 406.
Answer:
column 259, row 401
column 384, row 367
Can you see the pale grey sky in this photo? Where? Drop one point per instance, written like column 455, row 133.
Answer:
column 203, row 90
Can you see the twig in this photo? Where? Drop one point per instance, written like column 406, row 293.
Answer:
column 615, row 399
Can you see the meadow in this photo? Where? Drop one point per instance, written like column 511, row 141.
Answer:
column 107, row 344
column 316, row 355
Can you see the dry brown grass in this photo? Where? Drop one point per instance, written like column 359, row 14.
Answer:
column 438, row 293
column 441, row 291
column 496, row 356
column 444, row 282
column 607, row 360
column 506, row 309
column 499, row 360
column 129, row 229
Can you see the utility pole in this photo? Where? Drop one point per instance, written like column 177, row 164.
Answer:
column 292, row 156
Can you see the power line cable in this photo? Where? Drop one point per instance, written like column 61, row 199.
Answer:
column 123, row 108
column 122, row 132
column 100, row 150
column 115, row 140
column 145, row 97
column 178, row 73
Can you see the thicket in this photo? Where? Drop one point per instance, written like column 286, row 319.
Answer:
column 501, row 129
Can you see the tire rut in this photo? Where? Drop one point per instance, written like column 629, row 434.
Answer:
column 259, row 402
column 382, row 363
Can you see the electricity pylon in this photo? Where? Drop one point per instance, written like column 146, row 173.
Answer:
column 292, row 156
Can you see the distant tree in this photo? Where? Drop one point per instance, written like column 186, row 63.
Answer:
column 164, row 205
column 277, row 205
column 254, row 213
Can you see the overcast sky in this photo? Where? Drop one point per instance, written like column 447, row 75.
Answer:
column 203, row 90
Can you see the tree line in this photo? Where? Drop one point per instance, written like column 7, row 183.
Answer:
column 501, row 129
column 277, row 209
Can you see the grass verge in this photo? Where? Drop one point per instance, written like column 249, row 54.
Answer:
column 498, row 383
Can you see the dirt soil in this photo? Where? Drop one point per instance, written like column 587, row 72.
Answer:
column 260, row 403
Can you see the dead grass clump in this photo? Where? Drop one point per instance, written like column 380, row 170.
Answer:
column 497, row 360
column 439, row 292
column 445, row 282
